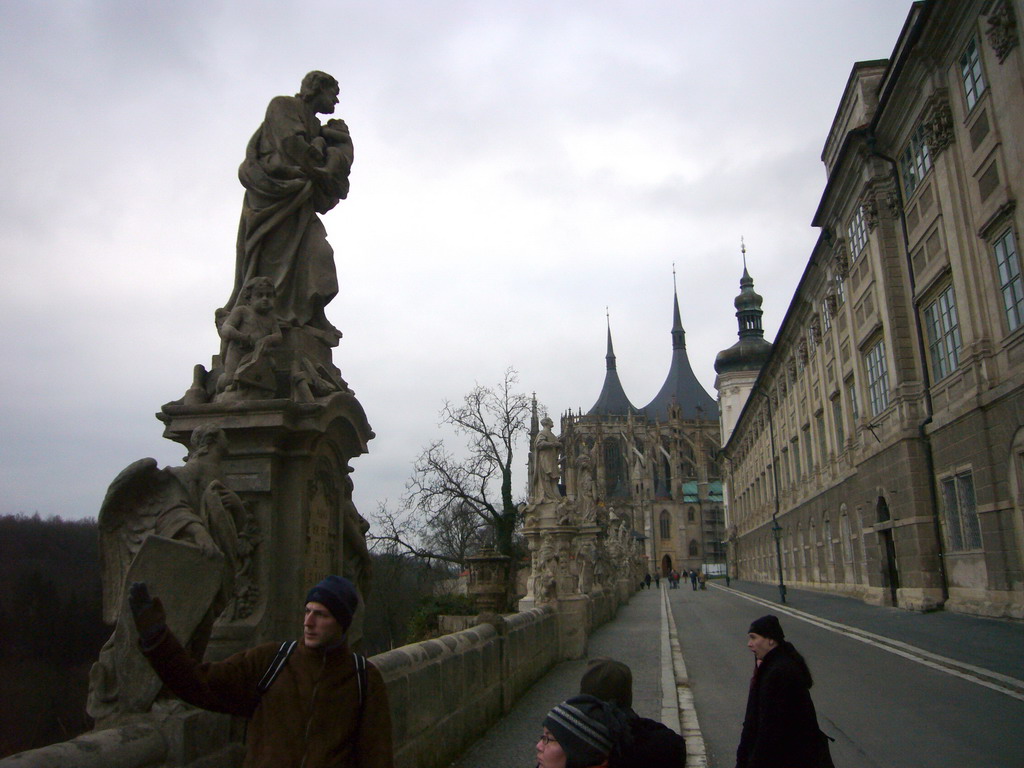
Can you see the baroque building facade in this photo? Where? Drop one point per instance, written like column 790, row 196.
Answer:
column 889, row 414
column 655, row 466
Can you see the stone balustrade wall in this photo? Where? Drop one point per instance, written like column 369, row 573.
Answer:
column 444, row 694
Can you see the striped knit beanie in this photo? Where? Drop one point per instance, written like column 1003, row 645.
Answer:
column 587, row 729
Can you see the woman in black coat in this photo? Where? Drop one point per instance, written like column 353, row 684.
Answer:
column 780, row 729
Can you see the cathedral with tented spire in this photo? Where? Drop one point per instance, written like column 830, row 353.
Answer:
column 655, row 466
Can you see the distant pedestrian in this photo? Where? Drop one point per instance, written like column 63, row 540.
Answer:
column 702, row 579
column 693, row 579
column 654, row 745
column 647, row 581
column 582, row 732
column 780, row 728
column 657, row 579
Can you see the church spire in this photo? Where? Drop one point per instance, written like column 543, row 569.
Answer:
column 681, row 387
column 751, row 351
column 612, row 400
column 609, row 357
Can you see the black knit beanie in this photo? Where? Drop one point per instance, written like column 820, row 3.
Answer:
column 339, row 596
column 609, row 680
column 768, row 626
column 587, row 729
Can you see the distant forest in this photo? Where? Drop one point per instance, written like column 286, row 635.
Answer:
column 51, row 628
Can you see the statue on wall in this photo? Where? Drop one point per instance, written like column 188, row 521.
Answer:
column 546, row 582
column 546, row 448
column 188, row 504
column 585, row 491
column 294, row 168
column 586, row 556
column 248, row 332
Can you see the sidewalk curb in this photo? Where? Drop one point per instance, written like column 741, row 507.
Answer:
column 678, row 711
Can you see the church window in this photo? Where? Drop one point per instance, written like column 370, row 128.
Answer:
column 819, row 427
column 1008, row 263
column 837, row 421
column 972, row 74
column 858, row 232
column 963, row 530
column 666, row 525
column 844, row 535
column 878, row 378
column 915, row 161
column 940, row 320
column 690, row 515
column 694, row 548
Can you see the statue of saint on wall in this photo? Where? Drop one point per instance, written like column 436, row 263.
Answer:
column 586, row 557
column 586, row 497
column 187, row 505
column 546, row 449
column 546, row 581
column 294, row 168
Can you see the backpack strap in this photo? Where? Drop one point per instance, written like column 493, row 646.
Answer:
column 276, row 665
column 361, row 677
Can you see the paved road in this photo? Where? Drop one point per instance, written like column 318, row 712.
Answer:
column 885, row 710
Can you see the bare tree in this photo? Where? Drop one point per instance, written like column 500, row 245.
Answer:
column 452, row 502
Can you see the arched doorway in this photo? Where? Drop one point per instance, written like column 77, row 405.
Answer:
column 890, row 571
column 666, row 565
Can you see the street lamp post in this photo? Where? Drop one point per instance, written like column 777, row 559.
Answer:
column 776, row 528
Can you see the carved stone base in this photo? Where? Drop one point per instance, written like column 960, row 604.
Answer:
column 289, row 463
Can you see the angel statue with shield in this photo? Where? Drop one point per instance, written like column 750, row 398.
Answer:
column 174, row 528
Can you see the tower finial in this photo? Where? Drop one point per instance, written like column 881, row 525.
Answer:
column 674, row 277
column 743, row 250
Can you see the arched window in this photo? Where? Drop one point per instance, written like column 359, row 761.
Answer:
column 666, row 525
column 690, row 515
column 694, row 548
column 845, row 535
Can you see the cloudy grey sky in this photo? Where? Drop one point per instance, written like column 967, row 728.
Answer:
column 519, row 167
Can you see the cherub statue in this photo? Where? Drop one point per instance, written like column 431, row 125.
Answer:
column 248, row 331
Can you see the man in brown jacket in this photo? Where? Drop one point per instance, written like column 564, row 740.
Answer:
column 318, row 710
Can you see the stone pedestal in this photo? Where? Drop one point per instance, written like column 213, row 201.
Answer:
column 573, row 626
column 489, row 581
column 289, row 462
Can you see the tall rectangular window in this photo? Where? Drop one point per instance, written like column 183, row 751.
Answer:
column 845, row 538
column 940, row 320
column 915, row 161
column 826, row 316
column 1008, row 263
column 795, row 451
column 972, row 74
column 837, row 421
column 858, row 232
column 819, row 427
column 963, row 531
column 840, row 291
column 878, row 378
column 851, row 392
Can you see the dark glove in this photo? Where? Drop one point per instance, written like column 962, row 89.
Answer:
column 148, row 612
